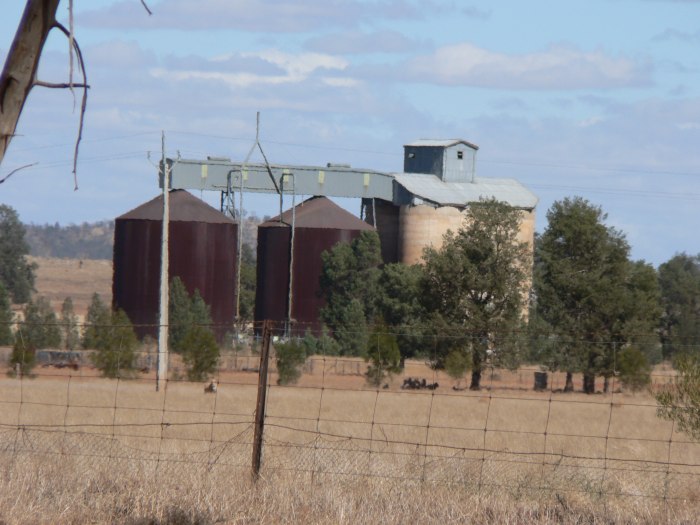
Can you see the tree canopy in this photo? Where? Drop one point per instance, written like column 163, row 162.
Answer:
column 477, row 281
column 591, row 299
column 16, row 273
column 679, row 279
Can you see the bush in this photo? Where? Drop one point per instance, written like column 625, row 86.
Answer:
column 681, row 402
column 634, row 369
column 200, row 353
column 383, row 355
column 290, row 357
column 456, row 365
column 115, row 346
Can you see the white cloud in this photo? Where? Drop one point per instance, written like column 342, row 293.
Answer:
column 356, row 42
column 558, row 67
column 288, row 67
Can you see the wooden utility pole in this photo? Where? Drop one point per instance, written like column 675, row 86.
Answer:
column 19, row 73
column 162, row 371
column 262, row 395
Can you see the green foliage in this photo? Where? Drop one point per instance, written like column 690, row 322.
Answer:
column 6, row 317
column 348, row 283
column 290, row 358
column 184, row 313
column 40, row 327
column 200, row 353
column 383, row 355
column 679, row 279
column 634, row 369
column 179, row 314
column 115, row 346
column 589, row 295
column 16, row 273
column 97, row 320
column 457, row 364
column 322, row 345
column 69, row 325
column 681, row 402
column 477, row 282
column 248, row 282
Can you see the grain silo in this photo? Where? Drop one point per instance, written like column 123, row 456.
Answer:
column 319, row 224
column 202, row 248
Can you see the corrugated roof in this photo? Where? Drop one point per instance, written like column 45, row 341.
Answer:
column 433, row 189
column 439, row 143
column 183, row 207
column 319, row 212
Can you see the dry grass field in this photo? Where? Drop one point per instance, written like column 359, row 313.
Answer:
column 57, row 279
column 78, row 448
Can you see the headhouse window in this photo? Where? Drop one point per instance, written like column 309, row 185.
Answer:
column 460, row 154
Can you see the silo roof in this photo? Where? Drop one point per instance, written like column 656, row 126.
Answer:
column 319, row 212
column 439, row 143
column 431, row 188
column 183, row 207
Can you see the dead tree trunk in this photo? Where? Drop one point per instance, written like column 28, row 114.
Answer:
column 22, row 61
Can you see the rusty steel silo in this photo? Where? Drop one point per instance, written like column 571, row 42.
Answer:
column 319, row 224
column 202, row 252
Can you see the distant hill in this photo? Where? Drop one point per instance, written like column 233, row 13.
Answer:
column 74, row 241
column 95, row 240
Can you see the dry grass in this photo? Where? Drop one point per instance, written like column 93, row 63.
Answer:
column 83, row 449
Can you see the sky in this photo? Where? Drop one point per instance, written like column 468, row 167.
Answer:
column 591, row 98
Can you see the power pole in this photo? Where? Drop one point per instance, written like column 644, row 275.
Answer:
column 162, row 372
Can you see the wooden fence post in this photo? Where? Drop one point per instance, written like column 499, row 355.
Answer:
column 260, row 405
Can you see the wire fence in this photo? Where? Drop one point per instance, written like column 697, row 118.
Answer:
column 419, row 426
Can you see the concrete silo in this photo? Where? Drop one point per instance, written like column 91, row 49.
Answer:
column 202, row 251
column 319, row 224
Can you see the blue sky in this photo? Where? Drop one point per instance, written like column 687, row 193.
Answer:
column 597, row 98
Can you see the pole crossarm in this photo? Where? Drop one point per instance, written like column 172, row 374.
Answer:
column 331, row 181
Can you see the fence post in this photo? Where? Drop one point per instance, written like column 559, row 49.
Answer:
column 260, row 405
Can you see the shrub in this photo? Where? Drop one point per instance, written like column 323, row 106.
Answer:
column 681, row 402
column 383, row 355
column 115, row 346
column 290, row 357
column 200, row 353
column 634, row 369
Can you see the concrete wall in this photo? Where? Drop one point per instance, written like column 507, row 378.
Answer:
column 422, row 226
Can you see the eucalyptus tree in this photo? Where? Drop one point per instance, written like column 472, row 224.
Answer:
column 477, row 284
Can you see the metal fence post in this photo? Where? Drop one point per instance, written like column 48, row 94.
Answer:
column 260, row 405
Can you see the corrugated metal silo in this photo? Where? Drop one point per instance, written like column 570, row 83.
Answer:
column 319, row 224
column 202, row 248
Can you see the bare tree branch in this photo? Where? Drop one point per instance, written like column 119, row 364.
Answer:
column 143, row 3
column 61, row 85
column 16, row 170
column 83, row 105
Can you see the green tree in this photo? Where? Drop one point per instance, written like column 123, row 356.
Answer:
column 321, row 345
column 248, row 282
column 457, row 365
column 679, row 279
column 681, row 401
column 348, row 283
column 582, row 275
column 97, row 320
column 477, row 282
column 16, row 273
column 383, row 355
column 38, row 330
column 6, row 317
column 179, row 314
column 291, row 355
column 634, row 369
column 184, row 313
column 115, row 347
column 200, row 353
column 69, row 325
column 400, row 308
